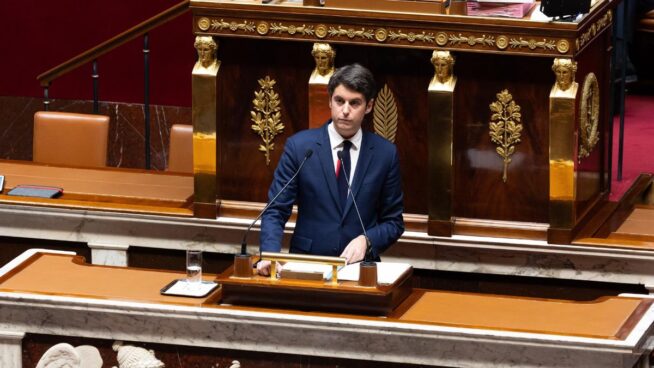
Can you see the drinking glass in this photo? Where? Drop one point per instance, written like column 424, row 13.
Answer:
column 194, row 266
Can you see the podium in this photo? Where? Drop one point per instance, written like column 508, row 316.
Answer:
column 334, row 295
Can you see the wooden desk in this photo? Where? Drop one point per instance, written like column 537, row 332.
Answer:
column 110, row 189
column 451, row 171
column 433, row 328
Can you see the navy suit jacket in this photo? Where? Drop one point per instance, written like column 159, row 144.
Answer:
column 323, row 227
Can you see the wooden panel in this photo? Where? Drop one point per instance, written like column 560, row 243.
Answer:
column 478, row 188
column 242, row 170
column 592, row 171
column 605, row 317
column 53, row 274
column 243, row 174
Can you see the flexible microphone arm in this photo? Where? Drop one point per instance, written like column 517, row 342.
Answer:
column 368, row 255
column 245, row 236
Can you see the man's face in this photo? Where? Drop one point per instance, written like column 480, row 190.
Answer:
column 348, row 110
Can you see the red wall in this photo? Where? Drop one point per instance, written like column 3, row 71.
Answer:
column 38, row 35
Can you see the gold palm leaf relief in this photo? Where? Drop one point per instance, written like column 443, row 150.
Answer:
column 505, row 127
column 384, row 114
column 266, row 115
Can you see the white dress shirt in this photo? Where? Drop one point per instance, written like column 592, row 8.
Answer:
column 336, row 142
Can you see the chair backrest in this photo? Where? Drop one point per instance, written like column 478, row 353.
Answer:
column 70, row 139
column 180, row 158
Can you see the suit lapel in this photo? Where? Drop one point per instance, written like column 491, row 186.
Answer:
column 365, row 158
column 327, row 163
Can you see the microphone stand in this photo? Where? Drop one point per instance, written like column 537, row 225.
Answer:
column 242, row 260
column 368, row 267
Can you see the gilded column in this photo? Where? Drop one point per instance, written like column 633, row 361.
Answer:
column 563, row 180
column 319, row 111
column 205, row 74
column 441, row 140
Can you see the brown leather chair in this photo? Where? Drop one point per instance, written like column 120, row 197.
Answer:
column 70, row 139
column 180, row 158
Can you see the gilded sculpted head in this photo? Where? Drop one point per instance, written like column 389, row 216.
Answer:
column 206, row 47
column 564, row 70
column 443, row 63
column 324, row 56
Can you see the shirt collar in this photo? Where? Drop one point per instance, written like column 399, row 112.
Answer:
column 336, row 141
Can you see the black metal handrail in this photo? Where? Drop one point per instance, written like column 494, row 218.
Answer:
column 92, row 55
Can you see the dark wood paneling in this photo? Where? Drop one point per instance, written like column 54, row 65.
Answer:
column 13, row 247
column 478, row 188
column 173, row 259
column 243, row 174
column 242, row 170
column 592, row 171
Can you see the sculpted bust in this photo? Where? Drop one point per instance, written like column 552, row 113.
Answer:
column 564, row 70
column 324, row 55
column 443, row 63
column 206, row 48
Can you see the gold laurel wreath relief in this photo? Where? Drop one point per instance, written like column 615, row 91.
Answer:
column 589, row 116
column 384, row 114
column 505, row 127
column 266, row 115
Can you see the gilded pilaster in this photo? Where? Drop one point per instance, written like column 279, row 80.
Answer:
column 563, row 180
column 204, row 78
column 441, row 140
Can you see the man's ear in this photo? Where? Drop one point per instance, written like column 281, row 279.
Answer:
column 369, row 105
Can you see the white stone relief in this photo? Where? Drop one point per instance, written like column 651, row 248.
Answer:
column 66, row 356
column 135, row 357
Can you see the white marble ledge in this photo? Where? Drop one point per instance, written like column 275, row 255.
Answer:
column 485, row 255
column 345, row 337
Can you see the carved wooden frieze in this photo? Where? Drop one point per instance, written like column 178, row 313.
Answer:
column 412, row 37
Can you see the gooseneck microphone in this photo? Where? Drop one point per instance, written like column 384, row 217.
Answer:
column 368, row 255
column 307, row 154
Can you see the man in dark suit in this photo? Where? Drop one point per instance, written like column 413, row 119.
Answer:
column 327, row 222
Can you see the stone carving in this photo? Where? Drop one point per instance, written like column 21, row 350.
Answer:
column 135, row 357
column 66, row 356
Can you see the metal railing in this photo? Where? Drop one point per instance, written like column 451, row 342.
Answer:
column 91, row 56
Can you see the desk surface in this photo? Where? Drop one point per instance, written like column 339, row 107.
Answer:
column 107, row 188
column 607, row 318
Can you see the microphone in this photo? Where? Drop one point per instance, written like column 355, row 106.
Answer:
column 368, row 256
column 307, row 154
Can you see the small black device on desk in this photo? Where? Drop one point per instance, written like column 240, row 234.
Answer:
column 36, row 191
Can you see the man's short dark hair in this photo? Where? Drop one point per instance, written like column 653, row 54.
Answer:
column 356, row 78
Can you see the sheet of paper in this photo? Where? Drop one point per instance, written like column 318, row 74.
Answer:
column 387, row 272
column 185, row 288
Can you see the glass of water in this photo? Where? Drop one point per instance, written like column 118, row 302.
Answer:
column 194, row 266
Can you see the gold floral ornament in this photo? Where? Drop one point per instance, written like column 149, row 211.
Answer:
column 266, row 116
column 505, row 127
column 384, row 114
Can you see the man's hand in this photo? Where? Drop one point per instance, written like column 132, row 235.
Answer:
column 263, row 268
column 356, row 250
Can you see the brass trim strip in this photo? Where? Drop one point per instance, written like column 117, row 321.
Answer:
column 385, row 35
